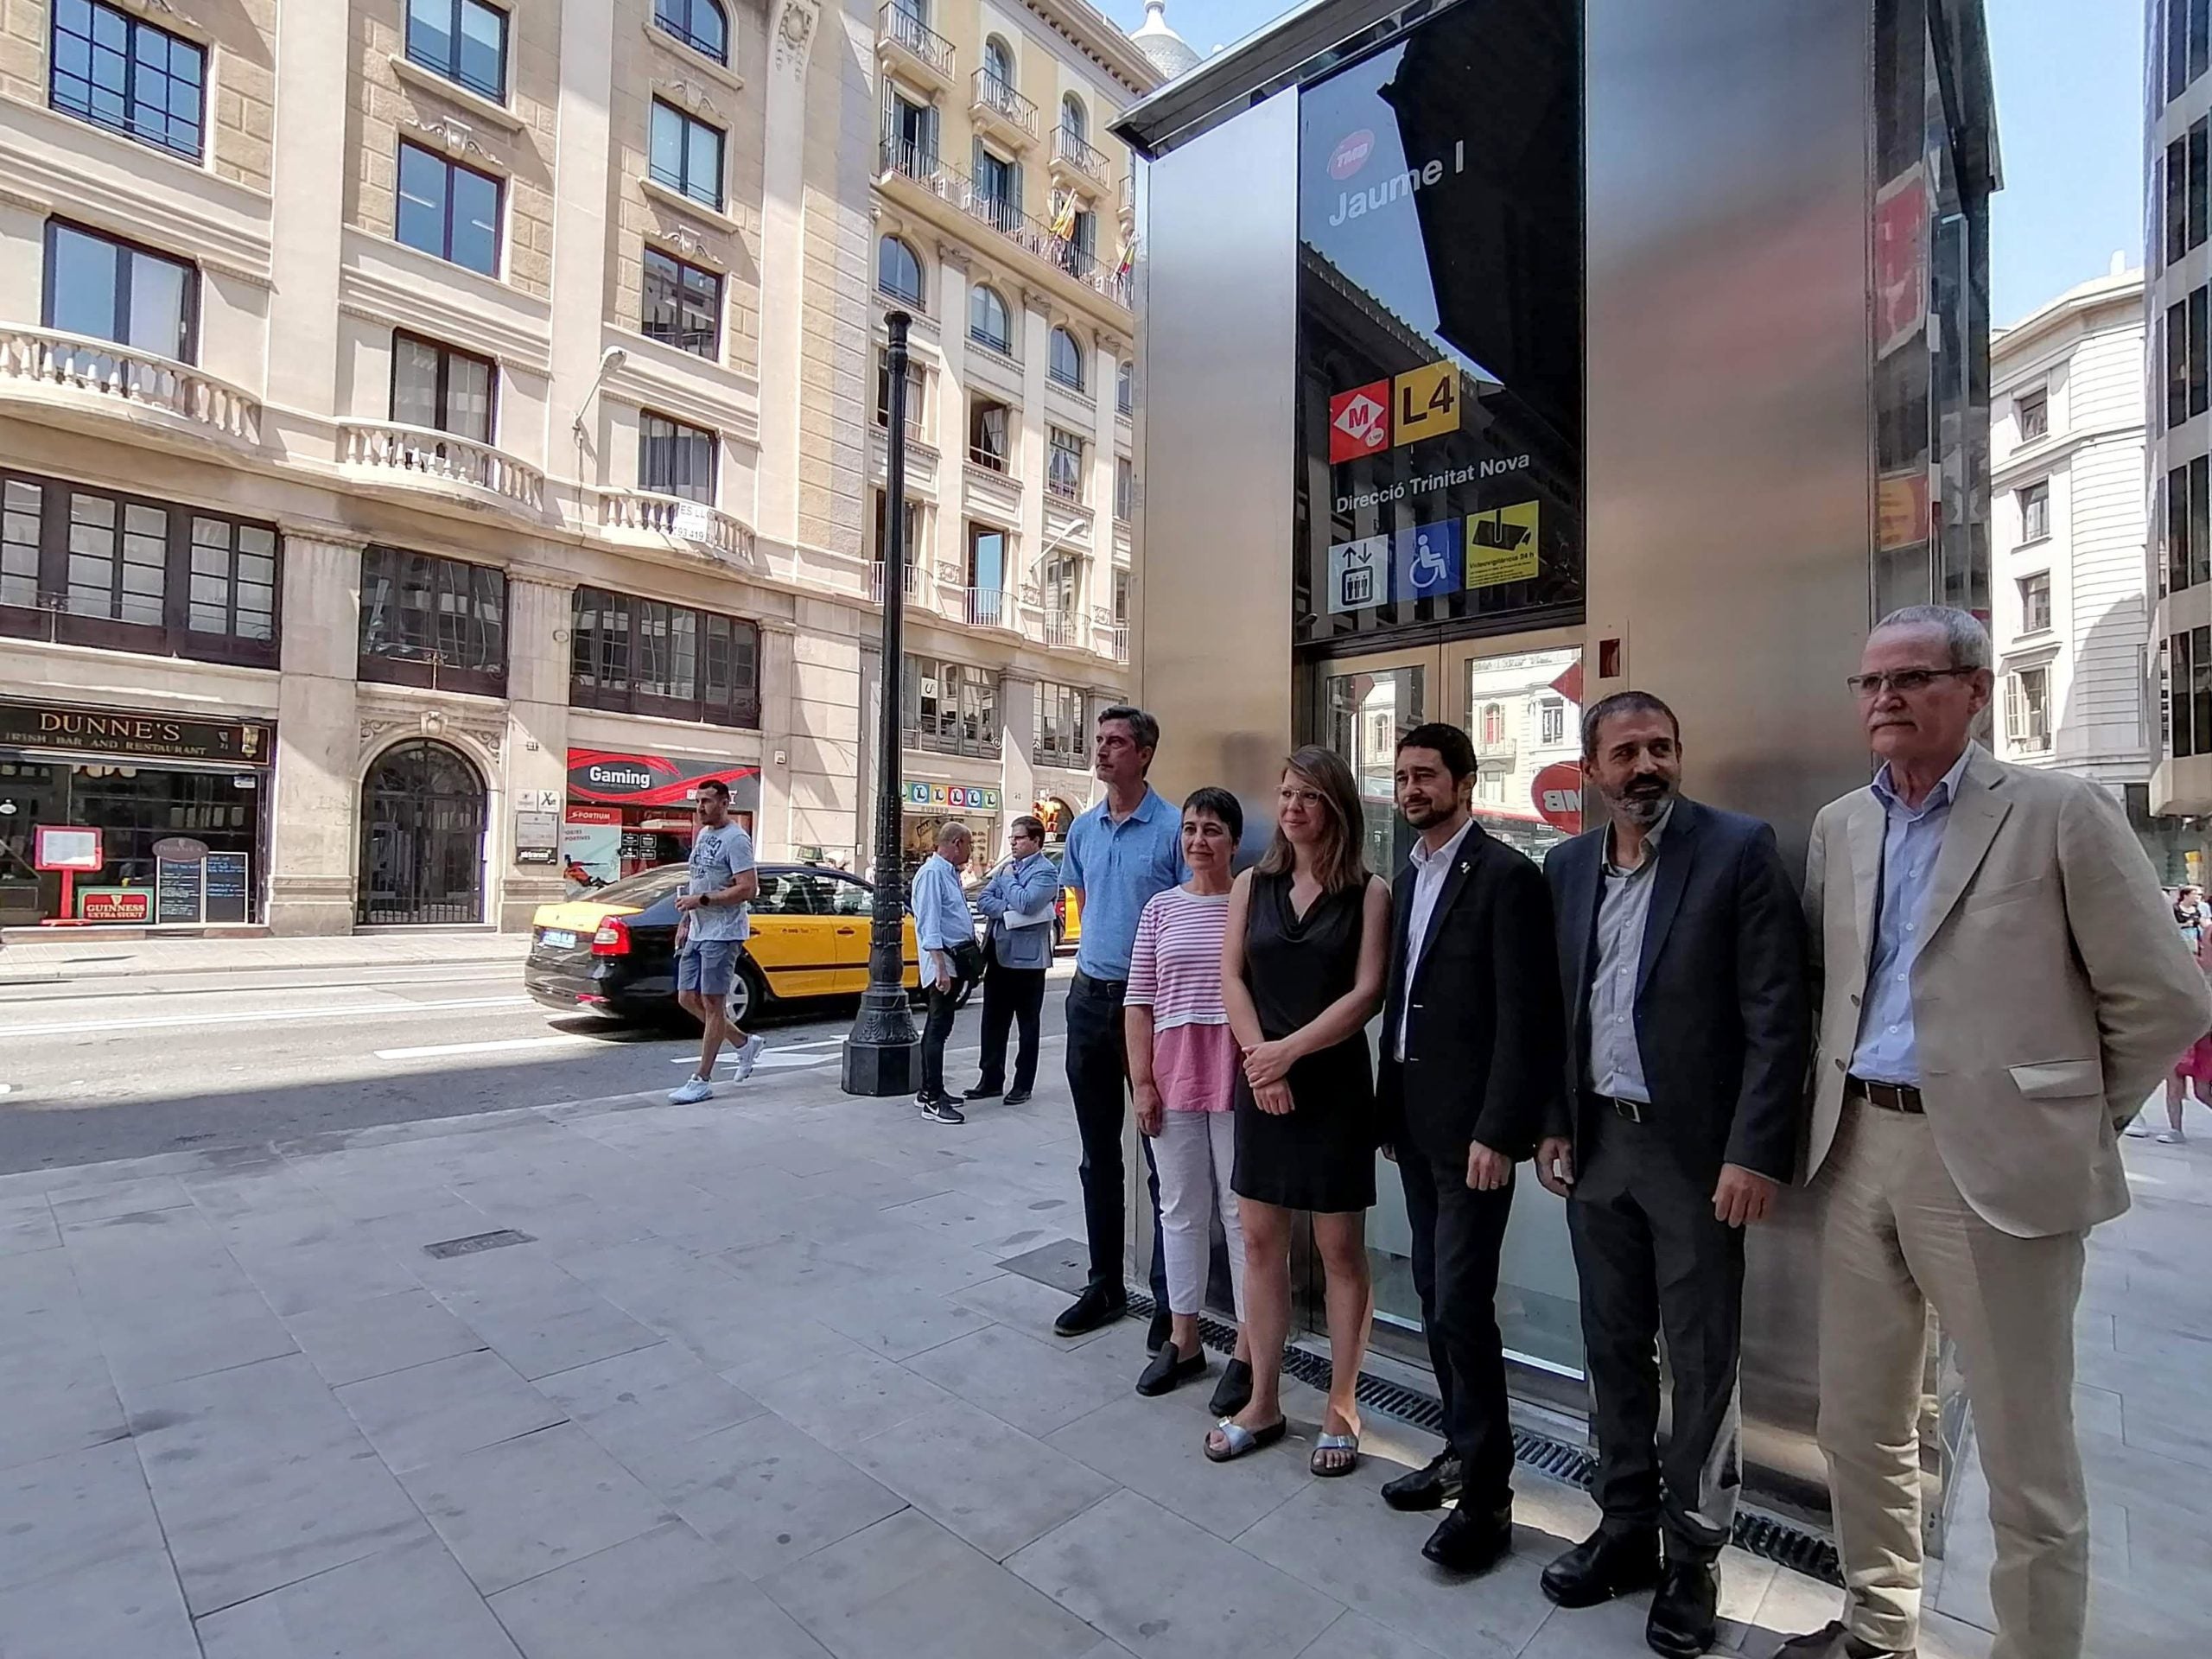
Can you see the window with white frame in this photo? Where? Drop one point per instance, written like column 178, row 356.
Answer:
column 1064, row 467
column 1552, row 716
column 2035, row 602
column 2035, row 511
column 2031, row 415
column 2027, row 709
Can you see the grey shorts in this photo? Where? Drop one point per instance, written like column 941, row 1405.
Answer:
column 709, row 966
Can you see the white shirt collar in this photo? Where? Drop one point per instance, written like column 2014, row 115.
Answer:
column 1422, row 858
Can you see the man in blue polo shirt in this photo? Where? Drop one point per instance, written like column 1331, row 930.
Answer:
column 1119, row 853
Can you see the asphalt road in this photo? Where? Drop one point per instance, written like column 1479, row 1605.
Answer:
column 105, row 1070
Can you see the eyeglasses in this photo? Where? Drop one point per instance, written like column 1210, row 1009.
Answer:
column 1903, row 681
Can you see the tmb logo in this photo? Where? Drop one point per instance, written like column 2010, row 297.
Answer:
column 1350, row 153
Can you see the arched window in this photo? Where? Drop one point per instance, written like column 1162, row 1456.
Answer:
column 899, row 270
column 700, row 24
column 1073, row 120
column 1066, row 363
column 998, row 65
column 989, row 322
column 422, row 822
column 1493, row 725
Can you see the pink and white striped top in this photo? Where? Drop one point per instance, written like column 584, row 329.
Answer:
column 1175, row 970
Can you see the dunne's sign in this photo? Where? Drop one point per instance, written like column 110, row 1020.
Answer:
column 116, row 731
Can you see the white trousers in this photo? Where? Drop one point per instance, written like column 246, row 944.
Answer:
column 1194, row 1152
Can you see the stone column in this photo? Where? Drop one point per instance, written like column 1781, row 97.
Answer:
column 772, row 835
column 783, row 265
column 1017, row 750
column 539, row 612
column 311, row 153
column 314, row 828
column 583, row 164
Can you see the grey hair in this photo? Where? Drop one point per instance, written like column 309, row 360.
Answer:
column 952, row 830
column 1963, row 633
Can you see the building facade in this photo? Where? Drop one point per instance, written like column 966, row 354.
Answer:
column 2071, row 609
column 434, row 435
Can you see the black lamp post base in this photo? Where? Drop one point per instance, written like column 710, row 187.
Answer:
column 879, row 1058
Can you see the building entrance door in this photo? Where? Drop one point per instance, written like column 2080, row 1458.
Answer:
column 1519, row 700
column 421, row 839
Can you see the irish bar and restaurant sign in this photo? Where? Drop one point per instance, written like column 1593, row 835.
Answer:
column 117, row 731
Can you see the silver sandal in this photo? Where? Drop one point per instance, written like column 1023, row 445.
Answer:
column 1333, row 1443
column 1236, row 1439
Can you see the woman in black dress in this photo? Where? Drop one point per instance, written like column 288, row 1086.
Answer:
column 1302, row 974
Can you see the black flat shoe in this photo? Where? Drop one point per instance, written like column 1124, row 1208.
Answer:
column 1018, row 1098
column 1428, row 1488
column 1155, row 1335
column 1603, row 1565
column 1096, row 1307
column 1168, row 1368
column 1467, row 1542
column 983, row 1091
column 1234, row 1392
column 1686, row 1612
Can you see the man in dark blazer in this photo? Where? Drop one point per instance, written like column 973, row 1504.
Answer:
column 1682, row 943
column 1473, row 1052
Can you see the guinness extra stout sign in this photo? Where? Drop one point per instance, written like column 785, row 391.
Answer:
column 136, row 736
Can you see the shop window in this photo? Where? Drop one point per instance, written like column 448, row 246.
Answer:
column 112, row 289
column 431, row 621
column 441, row 388
column 448, row 209
column 674, row 459
column 898, row 271
column 682, row 304
column 952, row 707
column 687, row 155
column 987, row 433
column 700, row 24
column 134, row 803
column 1064, row 467
column 465, row 41
column 128, row 75
column 1064, row 364
column 989, row 323
column 99, row 568
column 643, row 655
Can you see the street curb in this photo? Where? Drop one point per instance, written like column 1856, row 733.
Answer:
column 134, row 970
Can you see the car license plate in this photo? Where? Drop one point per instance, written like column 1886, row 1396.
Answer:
column 559, row 937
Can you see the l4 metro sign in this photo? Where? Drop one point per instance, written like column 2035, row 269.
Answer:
column 1422, row 402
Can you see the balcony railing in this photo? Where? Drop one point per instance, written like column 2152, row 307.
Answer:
column 991, row 460
column 102, row 368
column 1063, row 488
column 951, row 735
column 1071, row 150
column 1063, row 628
column 650, row 514
column 982, row 607
column 994, row 96
column 1113, row 641
column 902, row 29
column 442, row 457
column 912, row 585
column 904, row 159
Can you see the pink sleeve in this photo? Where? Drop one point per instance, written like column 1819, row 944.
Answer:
column 1143, row 958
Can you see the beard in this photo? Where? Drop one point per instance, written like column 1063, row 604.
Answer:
column 1642, row 802
column 1422, row 813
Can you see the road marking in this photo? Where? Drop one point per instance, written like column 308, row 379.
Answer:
column 776, row 1058
column 511, row 1043
column 246, row 1017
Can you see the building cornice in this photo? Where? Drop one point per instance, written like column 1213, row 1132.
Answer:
column 2028, row 465
column 1091, row 33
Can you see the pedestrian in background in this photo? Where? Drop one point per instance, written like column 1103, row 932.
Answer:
column 1303, row 962
column 2192, row 1073
column 1183, row 1065
column 2003, row 984
column 711, row 926
column 1125, row 849
column 1017, row 901
column 1681, row 947
column 944, row 933
column 1471, row 1060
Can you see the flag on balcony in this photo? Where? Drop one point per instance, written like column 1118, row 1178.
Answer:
column 1127, row 263
column 1063, row 214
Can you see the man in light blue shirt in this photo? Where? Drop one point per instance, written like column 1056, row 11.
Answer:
column 1911, row 839
column 1018, row 901
column 1124, row 849
column 942, row 926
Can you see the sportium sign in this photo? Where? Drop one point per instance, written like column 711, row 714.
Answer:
column 1440, row 399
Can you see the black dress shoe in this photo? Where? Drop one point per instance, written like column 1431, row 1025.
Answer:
column 1018, row 1098
column 1170, row 1366
column 1427, row 1488
column 1833, row 1641
column 1685, row 1611
column 1469, row 1541
column 1155, row 1335
column 1097, row 1305
column 1234, row 1392
column 983, row 1091
column 1603, row 1565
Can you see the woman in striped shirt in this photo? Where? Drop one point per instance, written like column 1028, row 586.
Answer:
column 1183, row 1062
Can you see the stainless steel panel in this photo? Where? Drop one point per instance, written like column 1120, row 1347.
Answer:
column 1730, row 460
column 1213, row 596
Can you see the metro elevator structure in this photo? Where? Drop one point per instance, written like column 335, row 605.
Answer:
column 1505, row 354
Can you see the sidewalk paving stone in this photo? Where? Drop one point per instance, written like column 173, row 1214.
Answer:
column 351, row 1342
column 979, row 1478
column 402, row 1603
column 649, row 1398
column 438, row 1411
column 129, row 1606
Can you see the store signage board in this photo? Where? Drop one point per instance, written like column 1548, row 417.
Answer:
column 181, row 890
column 227, row 887
column 624, row 780
column 1440, row 415
column 115, row 906
column 118, row 731
column 954, row 798
column 66, row 847
column 537, row 832
column 179, row 849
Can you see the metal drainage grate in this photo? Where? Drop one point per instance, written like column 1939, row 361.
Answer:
column 476, row 1241
column 1766, row 1536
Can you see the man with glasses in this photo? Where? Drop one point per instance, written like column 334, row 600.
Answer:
column 2003, row 985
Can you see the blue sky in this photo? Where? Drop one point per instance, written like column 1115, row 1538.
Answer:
column 2069, row 122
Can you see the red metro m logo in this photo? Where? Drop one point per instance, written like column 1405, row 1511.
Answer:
column 1350, row 153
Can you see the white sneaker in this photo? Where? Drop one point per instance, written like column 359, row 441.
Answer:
column 2138, row 1130
column 2170, row 1138
column 691, row 1092
column 748, row 1053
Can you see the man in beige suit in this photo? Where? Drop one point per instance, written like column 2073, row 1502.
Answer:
column 2002, row 986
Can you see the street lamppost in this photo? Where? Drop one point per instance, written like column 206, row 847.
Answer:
column 879, row 1052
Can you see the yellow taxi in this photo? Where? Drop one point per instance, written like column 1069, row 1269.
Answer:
column 613, row 951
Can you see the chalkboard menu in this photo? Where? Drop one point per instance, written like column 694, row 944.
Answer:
column 226, row 894
column 177, row 891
